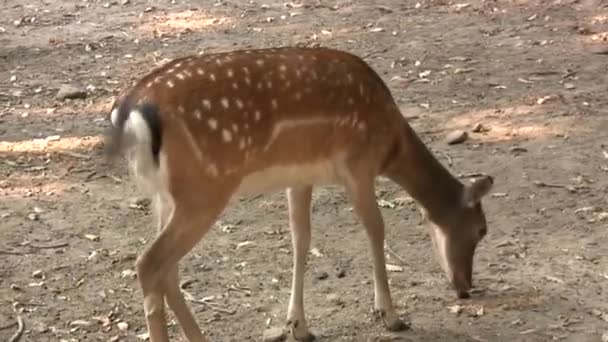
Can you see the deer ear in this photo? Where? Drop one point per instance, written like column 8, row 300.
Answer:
column 474, row 192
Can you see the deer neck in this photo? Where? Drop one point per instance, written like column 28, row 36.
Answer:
column 425, row 178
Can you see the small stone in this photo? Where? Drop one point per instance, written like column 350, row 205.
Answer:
column 37, row 274
column 322, row 276
column 122, row 326
column 569, row 86
column 67, row 91
column 340, row 273
column 276, row 334
column 456, row 137
column 517, row 149
column 334, row 299
column 479, row 128
column 33, row 217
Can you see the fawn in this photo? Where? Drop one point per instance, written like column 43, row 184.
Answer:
column 201, row 129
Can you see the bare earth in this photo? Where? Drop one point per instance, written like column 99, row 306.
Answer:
column 533, row 73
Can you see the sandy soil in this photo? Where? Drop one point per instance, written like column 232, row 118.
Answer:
column 534, row 73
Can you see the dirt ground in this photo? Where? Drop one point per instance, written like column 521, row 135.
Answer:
column 533, row 74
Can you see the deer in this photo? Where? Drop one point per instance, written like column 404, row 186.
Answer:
column 202, row 129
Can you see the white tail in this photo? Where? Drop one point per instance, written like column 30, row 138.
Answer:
column 201, row 129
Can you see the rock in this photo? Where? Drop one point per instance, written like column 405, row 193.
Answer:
column 340, row 273
column 333, row 298
column 479, row 128
column 33, row 217
column 67, row 91
column 276, row 334
column 456, row 137
column 517, row 149
column 569, row 86
column 322, row 275
column 599, row 50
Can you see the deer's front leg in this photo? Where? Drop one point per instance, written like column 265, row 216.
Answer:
column 299, row 222
column 363, row 197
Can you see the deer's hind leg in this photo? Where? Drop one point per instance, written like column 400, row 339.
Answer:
column 188, row 221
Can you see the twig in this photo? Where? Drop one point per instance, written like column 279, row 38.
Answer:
column 20, row 327
column 8, row 326
column 189, row 297
column 57, row 245
column 471, row 175
column 393, row 253
column 11, row 253
column 549, row 185
column 447, row 156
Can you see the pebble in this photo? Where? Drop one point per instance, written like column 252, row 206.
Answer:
column 479, row 128
column 275, row 334
column 456, row 137
column 516, row 149
column 322, row 275
column 334, row 299
column 67, row 91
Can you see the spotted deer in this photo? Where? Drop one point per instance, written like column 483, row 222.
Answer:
column 199, row 130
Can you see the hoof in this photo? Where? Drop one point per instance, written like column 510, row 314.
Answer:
column 299, row 336
column 392, row 322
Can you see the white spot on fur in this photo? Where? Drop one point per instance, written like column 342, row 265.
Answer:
column 225, row 103
column 242, row 143
column 230, row 73
column 257, row 115
column 170, row 84
column 361, row 126
column 350, row 78
column 212, row 77
column 260, row 62
column 246, row 70
column 207, row 104
column 181, row 109
column 297, row 96
column 198, row 114
column 269, row 84
column 235, row 86
column 247, row 80
column 212, row 124
column 361, row 89
column 226, row 135
column 188, row 73
column 274, row 104
column 282, row 68
column 239, row 103
column 235, row 128
column 200, row 71
column 350, row 101
column 180, row 76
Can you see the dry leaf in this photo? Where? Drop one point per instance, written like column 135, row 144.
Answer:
column 394, row 268
column 92, row 237
column 456, row 309
column 315, row 251
column 244, row 244
column 122, row 326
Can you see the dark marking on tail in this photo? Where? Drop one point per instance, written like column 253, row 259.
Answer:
column 152, row 116
column 114, row 137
